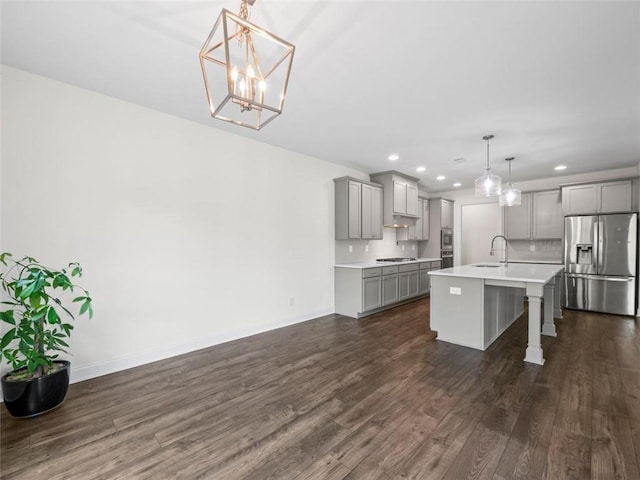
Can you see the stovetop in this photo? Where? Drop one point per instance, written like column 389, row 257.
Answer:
column 396, row 259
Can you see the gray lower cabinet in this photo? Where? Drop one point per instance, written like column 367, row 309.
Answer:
column 371, row 293
column 424, row 283
column 362, row 291
column 408, row 281
column 389, row 285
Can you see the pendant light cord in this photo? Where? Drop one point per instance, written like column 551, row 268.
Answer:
column 488, row 167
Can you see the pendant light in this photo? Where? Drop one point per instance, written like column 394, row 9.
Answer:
column 488, row 185
column 510, row 196
column 246, row 70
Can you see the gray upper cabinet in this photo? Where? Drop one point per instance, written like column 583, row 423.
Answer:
column 420, row 230
column 547, row 215
column 439, row 216
column 400, row 199
column 371, row 212
column 355, row 209
column 538, row 217
column 358, row 209
column 446, row 218
column 412, row 200
column 425, row 219
column 405, row 198
column 606, row 197
column 517, row 219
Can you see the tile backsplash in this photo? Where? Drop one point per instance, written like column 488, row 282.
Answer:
column 547, row 250
column 366, row 250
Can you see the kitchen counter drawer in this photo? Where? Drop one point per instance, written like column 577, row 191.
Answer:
column 389, row 270
column 371, row 272
column 413, row 267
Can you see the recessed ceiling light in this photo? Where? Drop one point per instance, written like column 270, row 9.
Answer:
column 393, row 157
column 421, row 169
column 561, row 167
column 457, row 184
column 440, row 177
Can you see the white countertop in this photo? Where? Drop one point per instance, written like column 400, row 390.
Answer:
column 548, row 262
column 516, row 272
column 373, row 263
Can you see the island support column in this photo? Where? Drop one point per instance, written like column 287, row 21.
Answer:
column 548, row 327
column 534, row 347
column 557, row 297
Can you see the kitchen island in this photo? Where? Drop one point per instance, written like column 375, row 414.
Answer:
column 472, row 305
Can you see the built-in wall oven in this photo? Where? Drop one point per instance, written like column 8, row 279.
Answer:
column 446, row 247
column 447, row 258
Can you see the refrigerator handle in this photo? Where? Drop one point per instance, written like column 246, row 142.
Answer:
column 599, row 277
column 597, row 241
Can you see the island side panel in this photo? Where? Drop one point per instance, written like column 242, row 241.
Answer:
column 502, row 307
column 458, row 318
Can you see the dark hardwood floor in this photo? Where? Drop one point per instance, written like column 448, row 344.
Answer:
column 337, row 398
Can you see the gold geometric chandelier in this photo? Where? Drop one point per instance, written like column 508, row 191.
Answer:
column 246, row 70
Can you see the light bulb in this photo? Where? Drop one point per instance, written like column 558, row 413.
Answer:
column 234, row 74
column 242, row 86
column 510, row 196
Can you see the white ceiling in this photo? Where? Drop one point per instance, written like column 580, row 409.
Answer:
column 555, row 82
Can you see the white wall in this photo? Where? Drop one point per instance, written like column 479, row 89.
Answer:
column 189, row 236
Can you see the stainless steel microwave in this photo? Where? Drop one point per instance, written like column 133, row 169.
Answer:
column 446, row 239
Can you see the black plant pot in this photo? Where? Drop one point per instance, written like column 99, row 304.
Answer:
column 28, row 398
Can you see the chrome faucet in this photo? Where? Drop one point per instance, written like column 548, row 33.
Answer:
column 506, row 253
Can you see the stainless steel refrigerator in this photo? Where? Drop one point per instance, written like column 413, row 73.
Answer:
column 600, row 263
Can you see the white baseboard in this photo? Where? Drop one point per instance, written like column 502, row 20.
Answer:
column 86, row 372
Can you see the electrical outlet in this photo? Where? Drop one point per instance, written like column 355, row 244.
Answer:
column 532, row 247
column 402, row 247
column 413, row 247
column 291, row 301
column 455, row 290
column 350, row 248
column 366, row 248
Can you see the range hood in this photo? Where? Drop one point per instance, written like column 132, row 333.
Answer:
column 401, row 221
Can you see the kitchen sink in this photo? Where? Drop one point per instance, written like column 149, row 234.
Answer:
column 487, row 265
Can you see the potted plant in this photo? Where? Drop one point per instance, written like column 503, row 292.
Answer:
column 38, row 324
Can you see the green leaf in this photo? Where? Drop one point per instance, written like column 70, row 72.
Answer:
column 79, row 299
column 7, row 316
column 52, row 316
column 77, row 271
column 7, row 338
column 35, row 299
column 4, row 256
column 86, row 306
